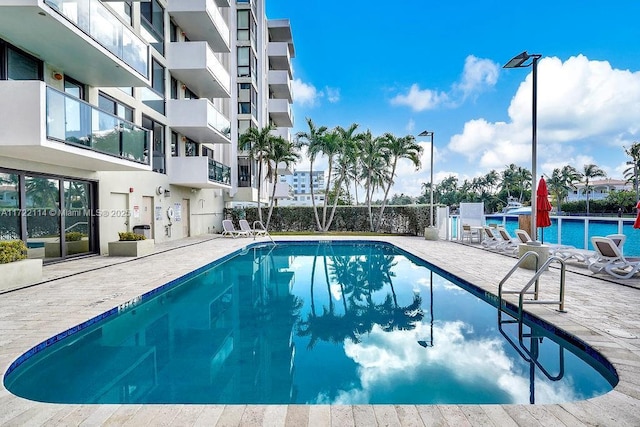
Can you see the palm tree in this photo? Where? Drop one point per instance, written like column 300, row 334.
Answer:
column 631, row 173
column 313, row 140
column 373, row 160
column 591, row 171
column 347, row 156
column 282, row 151
column 260, row 142
column 398, row 148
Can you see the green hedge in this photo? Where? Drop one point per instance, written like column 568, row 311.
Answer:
column 410, row 220
column 130, row 236
column 12, row 250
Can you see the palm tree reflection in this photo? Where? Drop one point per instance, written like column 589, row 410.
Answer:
column 366, row 288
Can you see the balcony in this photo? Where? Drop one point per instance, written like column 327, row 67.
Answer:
column 280, row 84
column 279, row 56
column 244, row 194
column 201, row 20
column 199, row 172
column 280, row 112
column 44, row 125
column 195, row 64
column 198, row 119
column 282, row 132
column 80, row 38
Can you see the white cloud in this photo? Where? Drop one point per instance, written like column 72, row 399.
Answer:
column 478, row 74
column 420, row 100
column 333, row 95
column 303, row 93
column 580, row 102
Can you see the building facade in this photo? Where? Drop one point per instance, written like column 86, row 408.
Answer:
column 125, row 116
column 600, row 189
column 300, row 183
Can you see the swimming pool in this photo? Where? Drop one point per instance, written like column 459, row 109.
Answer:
column 347, row 322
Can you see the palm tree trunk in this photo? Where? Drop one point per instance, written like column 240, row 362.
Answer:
column 326, row 200
column 273, row 197
column 386, row 194
column 313, row 198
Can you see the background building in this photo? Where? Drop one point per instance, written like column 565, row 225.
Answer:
column 300, row 183
column 125, row 115
column 600, row 189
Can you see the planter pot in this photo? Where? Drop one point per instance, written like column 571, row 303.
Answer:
column 52, row 250
column 131, row 248
column 430, row 233
column 16, row 274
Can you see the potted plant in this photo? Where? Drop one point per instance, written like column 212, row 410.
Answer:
column 15, row 269
column 131, row 244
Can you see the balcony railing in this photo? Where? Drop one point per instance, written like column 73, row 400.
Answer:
column 219, row 172
column 94, row 19
column 78, row 123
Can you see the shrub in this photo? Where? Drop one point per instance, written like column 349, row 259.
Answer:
column 12, row 250
column 73, row 236
column 126, row 236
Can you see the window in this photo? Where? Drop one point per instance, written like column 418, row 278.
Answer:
column 110, row 105
column 18, row 65
column 243, row 25
column 152, row 21
column 74, row 88
column 154, row 97
column 174, row 145
column 191, row 148
column 244, row 58
column 157, row 131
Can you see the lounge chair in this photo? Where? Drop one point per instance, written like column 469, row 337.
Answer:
column 610, row 259
column 564, row 252
column 508, row 244
column 230, row 230
column 492, row 239
column 257, row 230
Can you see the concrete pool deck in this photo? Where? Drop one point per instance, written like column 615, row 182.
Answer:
column 603, row 313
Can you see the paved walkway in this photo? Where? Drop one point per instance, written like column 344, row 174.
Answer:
column 603, row 313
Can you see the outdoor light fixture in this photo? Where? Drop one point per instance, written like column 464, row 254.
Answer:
column 429, row 133
column 520, row 61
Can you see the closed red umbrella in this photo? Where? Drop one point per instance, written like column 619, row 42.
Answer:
column 636, row 224
column 542, row 206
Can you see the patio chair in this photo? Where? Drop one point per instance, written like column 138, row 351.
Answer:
column 470, row 234
column 230, row 230
column 610, row 259
column 257, row 230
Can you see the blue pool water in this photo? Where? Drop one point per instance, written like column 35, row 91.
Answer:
column 573, row 231
column 311, row 323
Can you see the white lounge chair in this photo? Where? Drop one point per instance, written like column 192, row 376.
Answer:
column 564, row 252
column 229, row 230
column 257, row 230
column 508, row 244
column 610, row 259
column 492, row 239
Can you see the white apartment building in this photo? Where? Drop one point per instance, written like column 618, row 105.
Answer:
column 300, row 188
column 124, row 115
column 600, row 189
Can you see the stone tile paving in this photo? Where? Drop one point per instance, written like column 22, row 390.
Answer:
column 604, row 313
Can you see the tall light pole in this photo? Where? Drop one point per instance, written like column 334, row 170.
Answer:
column 429, row 133
column 520, row 61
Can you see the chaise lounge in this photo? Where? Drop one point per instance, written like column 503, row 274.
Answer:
column 610, row 260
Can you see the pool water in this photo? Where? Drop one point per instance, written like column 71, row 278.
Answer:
column 311, row 323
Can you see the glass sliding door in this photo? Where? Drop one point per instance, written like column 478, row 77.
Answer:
column 43, row 215
column 76, row 217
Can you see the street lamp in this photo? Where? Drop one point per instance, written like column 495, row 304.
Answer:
column 520, row 61
column 429, row 133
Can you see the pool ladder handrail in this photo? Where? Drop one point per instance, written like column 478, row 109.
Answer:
column 534, row 280
column 265, row 231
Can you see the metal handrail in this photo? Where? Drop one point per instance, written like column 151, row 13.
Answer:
column 535, row 279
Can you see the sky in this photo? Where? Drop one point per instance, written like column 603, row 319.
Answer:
column 436, row 65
